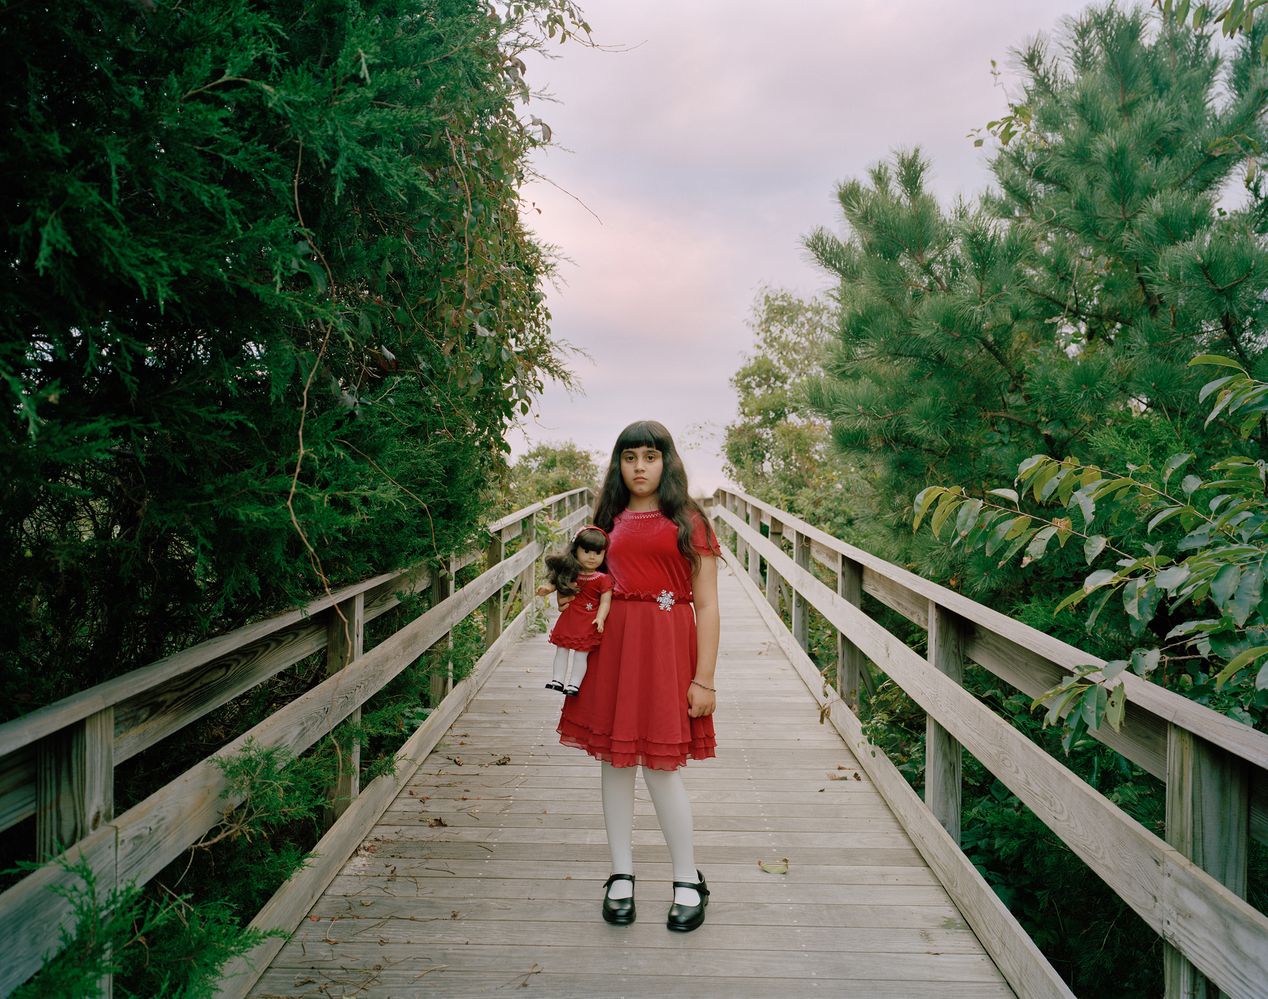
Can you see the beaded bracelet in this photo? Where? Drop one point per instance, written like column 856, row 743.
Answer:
column 712, row 690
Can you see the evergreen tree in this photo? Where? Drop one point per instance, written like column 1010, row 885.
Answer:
column 1058, row 314
column 267, row 309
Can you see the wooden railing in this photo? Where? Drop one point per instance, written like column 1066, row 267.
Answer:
column 58, row 763
column 1189, row 888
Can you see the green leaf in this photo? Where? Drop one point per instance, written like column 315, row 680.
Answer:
column 1019, row 525
column 1070, row 601
column 1093, row 547
column 1238, row 663
column 1190, row 484
column 946, row 504
column 1145, row 661
column 1098, row 579
column 1225, row 584
column 1114, row 705
column 1246, row 599
column 1100, row 606
column 1039, row 543
column 1086, row 505
column 967, row 516
column 1092, row 706
column 1171, row 577
column 1217, row 359
column 1008, row 494
column 1164, row 516
column 1112, row 668
column 924, row 499
column 1174, row 464
column 998, row 534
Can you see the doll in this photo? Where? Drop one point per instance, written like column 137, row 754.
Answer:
column 575, row 573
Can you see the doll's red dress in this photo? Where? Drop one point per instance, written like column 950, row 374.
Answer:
column 575, row 628
column 632, row 708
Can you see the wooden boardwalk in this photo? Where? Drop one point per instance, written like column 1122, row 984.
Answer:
column 486, row 874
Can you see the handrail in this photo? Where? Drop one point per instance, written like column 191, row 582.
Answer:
column 1209, row 769
column 63, row 760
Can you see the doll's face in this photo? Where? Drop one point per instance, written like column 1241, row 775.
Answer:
column 589, row 560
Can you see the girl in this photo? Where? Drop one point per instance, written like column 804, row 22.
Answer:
column 649, row 699
column 575, row 573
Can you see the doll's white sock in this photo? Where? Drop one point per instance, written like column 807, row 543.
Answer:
column 673, row 811
column 578, row 671
column 617, row 785
column 561, row 664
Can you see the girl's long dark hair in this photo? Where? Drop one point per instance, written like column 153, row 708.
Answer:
column 562, row 569
column 675, row 501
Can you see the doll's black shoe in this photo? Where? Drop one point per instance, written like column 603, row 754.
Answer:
column 554, row 685
column 685, row 918
column 572, row 690
column 618, row 910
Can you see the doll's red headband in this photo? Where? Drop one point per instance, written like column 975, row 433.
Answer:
column 591, row 527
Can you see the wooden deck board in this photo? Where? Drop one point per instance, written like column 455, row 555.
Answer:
column 487, row 869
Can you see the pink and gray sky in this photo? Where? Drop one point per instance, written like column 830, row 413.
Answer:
column 707, row 147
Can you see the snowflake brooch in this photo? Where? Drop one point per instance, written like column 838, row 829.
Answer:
column 666, row 599
column 589, row 606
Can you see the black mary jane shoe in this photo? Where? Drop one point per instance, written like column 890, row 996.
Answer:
column 554, row 685
column 685, row 918
column 619, row 911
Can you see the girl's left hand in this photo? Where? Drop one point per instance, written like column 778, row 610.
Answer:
column 700, row 702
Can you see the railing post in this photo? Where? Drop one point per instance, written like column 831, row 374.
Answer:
column 849, row 656
column 74, row 791
column 74, row 783
column 942, row 752
column 528, row 578
column 800, row 617
column 1208, row 820
column 754, row 559
column 345, row 641
column 442, row 586
column 772, row 577
column 493, row 607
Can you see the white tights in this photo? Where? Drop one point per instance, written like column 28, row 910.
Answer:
column 574, row 676
column 673, row 811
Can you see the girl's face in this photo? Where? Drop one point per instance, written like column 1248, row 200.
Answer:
column 641, row 468
column 589, row 560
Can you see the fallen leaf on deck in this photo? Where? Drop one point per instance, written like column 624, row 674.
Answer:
column 775, row 866
column 501, row 761
column 437, row 821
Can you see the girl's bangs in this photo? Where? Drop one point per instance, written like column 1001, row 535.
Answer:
column 644, row 433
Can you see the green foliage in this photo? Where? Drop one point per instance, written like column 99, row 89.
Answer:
column 547, row 470
column 269, row 310
column 778, row 445
column 155, row 947
column 1194, row 593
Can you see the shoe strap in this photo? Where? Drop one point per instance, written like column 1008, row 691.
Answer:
column 618, row 877
column 697, row 885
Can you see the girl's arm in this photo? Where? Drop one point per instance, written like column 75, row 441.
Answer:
column 704, row 589
column 545, row 588
column 605, row 605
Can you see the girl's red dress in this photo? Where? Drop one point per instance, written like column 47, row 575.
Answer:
column 575, row 628
column 632, row 709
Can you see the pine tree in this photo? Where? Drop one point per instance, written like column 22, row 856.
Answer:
column 1057, row 314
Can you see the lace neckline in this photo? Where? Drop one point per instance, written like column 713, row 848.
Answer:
column 640, row 514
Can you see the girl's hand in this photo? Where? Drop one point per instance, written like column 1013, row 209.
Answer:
column 700, row 702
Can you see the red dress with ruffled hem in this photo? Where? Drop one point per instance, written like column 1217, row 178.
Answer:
column 632, row 709
column 575, row 628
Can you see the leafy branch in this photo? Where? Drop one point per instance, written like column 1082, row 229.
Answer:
column 1209, row 574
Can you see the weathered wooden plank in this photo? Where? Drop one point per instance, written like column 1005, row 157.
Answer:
column 154, row 832
column 74, row 783
column 1207, row 821
column 1241, row 740
column 345, row 642
column 1022, row 963
column 1217, row 931
column 942, row 752
column 289, row 903
column 441, row 982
